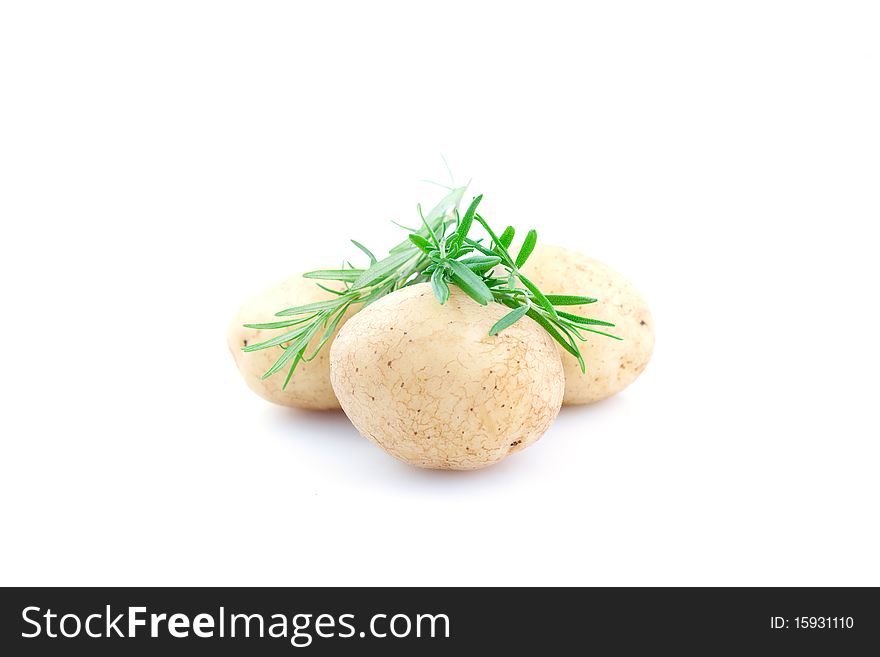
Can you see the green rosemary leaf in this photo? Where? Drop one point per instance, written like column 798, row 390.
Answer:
column 438, row 284
column 328, row 332
column 309, row 308
column 467, row 220
column 420, row 242
column 287, row 355
column 539, row 296
column 573, row 329
column 569, row 300
column 472, row 284
column 381, row 269
column 435, row 217
column 331, row 290
column 508, row 293
column 452, row 245
column 583, row 320
column 446, row 205
column 570, row 347
column 293, row 349
column 406, row 228
column 278, row 325
column 480, row 264
column 482, row 249
column 491, row 260
column 526, row 249
column 291, row 369
column 577, row 354
column 434, row 182
column 501, row 250
column 510, row 318
column 507, row 236
column 366, row 251
column 277, row 340
column 607, row 335
column 429, row 230
column 380, row 291
column 334, row 274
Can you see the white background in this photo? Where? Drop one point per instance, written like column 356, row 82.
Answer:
column 162, row 161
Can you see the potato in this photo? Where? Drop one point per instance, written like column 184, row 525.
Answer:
column 429, row 385
column 611, row 364
column 310, row 386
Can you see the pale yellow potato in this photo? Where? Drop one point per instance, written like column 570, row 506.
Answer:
column 612, row 365
column 429, row 385
column 310, row 386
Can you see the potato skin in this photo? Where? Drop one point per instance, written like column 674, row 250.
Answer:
column 612, row 365
column 429, row 385
column 310, row 386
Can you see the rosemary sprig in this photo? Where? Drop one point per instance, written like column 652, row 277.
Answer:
column 443, row 253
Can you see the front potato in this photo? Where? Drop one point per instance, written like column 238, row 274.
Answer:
column 611, row 364
column 429, row 385
column 310, row 386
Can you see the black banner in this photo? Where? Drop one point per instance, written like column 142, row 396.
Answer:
column 277, row 621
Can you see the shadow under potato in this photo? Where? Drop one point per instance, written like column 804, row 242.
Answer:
column 596, row 408
column 331, row 424
column 329, row 438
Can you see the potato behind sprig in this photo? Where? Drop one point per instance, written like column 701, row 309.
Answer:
column 611, row 365
column 310, row 388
